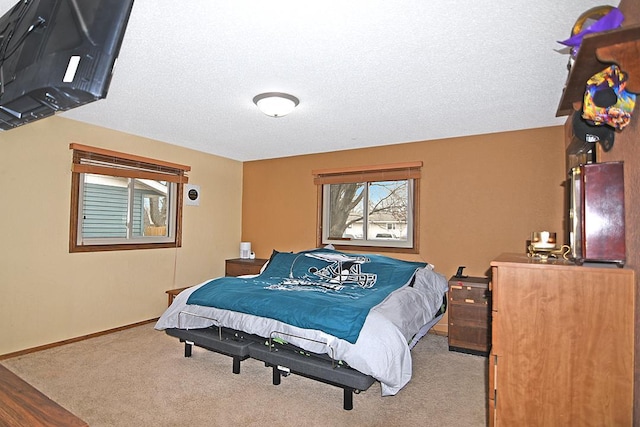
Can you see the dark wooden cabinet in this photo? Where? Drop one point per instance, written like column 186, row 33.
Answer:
column 597, row 213
column 241, row 266
column 469, row 314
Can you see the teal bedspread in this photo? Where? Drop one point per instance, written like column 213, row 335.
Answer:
column 320, row 289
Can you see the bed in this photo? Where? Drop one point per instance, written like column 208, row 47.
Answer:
column 345, row 319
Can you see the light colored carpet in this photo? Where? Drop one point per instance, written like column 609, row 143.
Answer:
column 140, row 377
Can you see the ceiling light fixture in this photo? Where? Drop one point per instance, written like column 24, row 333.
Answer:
column 276, row 104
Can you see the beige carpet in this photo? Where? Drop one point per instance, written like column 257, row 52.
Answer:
column 140, row 377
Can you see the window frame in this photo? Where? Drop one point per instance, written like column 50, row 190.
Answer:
column 410, row 171
column 99, row 161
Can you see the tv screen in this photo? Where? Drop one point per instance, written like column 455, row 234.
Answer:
column 56, row 55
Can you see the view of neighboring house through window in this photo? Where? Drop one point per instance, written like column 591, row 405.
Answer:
column 369, row 206
column 121, row 201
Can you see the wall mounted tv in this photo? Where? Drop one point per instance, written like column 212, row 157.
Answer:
column 56, row 55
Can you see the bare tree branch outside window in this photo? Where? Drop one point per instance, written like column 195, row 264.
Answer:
column 387, row 203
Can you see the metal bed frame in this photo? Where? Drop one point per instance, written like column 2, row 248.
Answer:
column 282, row 357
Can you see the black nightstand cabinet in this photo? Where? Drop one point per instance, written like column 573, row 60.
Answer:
column 469, row 314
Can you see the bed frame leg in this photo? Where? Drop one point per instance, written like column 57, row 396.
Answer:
column 236, row 365
column 348, row 399
column 276, row 376
column 188, row 346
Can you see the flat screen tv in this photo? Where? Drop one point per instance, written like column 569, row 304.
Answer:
column 56, row 55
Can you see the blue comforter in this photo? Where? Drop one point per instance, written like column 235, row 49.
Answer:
column 321, row 289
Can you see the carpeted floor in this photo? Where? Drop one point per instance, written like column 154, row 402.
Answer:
column 140, row 377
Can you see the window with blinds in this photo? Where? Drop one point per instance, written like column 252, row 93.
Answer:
column 369, row 206
column 121, row 201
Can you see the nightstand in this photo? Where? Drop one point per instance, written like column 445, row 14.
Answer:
column 241, row 266
column 172, row 293
column 469, row 314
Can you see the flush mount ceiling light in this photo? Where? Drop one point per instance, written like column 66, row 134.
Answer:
column 276, row 104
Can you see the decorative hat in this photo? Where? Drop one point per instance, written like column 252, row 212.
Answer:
column 606, row 102
column 587, row 132
column 605, row 17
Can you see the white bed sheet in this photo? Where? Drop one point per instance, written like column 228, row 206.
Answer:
column 382, row 349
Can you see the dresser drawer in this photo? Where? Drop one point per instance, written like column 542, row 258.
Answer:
column 469, row 314
column 468, row 294
column 470, row 338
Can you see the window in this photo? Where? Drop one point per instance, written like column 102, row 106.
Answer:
column 372, row 206
column 121, row 201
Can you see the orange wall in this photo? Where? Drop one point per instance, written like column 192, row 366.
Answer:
column 480, row 195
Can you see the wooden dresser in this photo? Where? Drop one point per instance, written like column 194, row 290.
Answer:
column 562, row 343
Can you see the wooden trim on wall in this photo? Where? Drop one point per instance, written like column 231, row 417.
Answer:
column 387, row 172
column 72, row 340
column 132, row 157
column 73, row 211
column 171, row 172
column 394, row 171
column 368, row 168
column 319, row 216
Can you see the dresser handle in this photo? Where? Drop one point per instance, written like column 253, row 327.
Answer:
column 469, row 300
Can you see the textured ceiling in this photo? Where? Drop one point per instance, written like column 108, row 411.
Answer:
column 367, row 73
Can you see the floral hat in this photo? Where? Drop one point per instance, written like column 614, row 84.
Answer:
column 606, row 102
